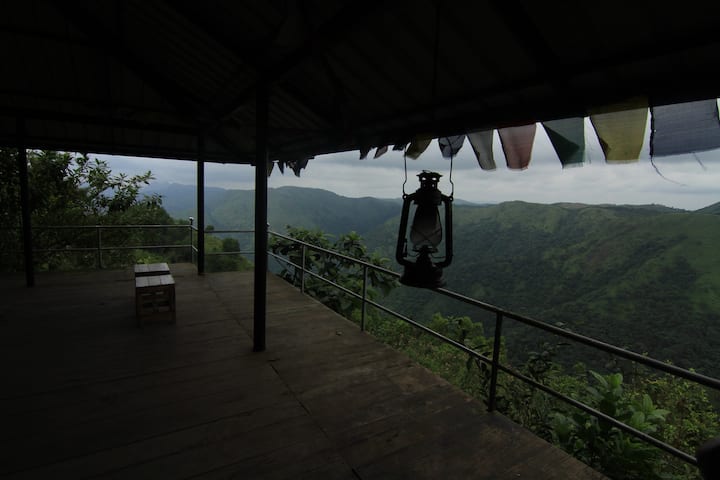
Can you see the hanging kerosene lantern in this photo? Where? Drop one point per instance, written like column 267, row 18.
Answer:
column 417, row 249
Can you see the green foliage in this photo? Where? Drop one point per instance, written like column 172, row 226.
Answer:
column 67, row 189
column 446, row 360
column 606, row 447
column 221, row 255
column 333, row 267
column 692, row 417
column 630, row 276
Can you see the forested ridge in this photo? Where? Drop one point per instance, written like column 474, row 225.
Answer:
column 645, row 277
column 303, row 207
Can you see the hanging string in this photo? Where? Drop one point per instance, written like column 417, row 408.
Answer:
column 697, row 159
column 657, row 170
column 452, row 185
column 403, row 186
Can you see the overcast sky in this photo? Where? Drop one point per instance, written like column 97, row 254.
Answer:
column 689, row 181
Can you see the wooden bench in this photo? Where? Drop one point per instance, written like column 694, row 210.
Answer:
column 154, row 297
column 150, row 269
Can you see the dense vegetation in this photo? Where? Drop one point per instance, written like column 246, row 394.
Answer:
column 348, row 273
column 644, row 278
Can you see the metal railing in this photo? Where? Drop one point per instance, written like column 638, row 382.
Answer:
column 194, row 248
column 94, row 243
column 494, row 363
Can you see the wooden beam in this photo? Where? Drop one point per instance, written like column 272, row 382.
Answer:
column 96, row 120
column 185, row 102
column 338, row 27
column 246, row 56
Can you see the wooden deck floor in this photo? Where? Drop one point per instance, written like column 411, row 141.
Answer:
column 85, row 393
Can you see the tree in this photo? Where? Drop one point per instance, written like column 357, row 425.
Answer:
column 67, row 189
column 221, row 255
column 332, row 267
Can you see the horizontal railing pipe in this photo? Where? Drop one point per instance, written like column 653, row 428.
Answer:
column 397, row 315
column 607, row 418
column 229, row 231
column 239, row 252
column 104, row 227
column 606, row 347
column 339, row 255
column 106, row 249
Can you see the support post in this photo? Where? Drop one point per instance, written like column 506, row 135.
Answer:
column 25, row 206
column 261, row 239
column 192, row 246
column 201, row 206
column 98, row 235
column 364, row 298
column 302, row 269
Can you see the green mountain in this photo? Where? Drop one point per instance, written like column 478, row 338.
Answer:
column 713, row 209
column 306, row 207
column 645, row 277
column 641, row 277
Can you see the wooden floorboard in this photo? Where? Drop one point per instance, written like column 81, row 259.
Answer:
column 88, row 394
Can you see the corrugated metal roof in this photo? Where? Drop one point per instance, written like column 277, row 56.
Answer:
column 147, row 77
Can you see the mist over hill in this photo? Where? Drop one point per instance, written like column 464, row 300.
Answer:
column 645, row 277
column 306, row 207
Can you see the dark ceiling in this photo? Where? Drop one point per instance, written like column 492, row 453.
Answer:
column 148, row 78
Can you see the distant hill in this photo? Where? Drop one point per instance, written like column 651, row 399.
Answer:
column 713, row 209
column 180, row 200
column 307, row 207
column 646, row 277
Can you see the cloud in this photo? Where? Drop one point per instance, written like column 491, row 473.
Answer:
column 687, row 181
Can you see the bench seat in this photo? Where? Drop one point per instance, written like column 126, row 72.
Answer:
column 151, row 269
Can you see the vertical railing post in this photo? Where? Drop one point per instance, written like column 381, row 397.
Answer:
column 363, row 307
column 190, row 229
column 98, row 233
column 492, row 397
column 302, row 269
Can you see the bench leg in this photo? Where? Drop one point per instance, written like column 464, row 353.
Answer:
column 172, row 305
column 138, row 309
